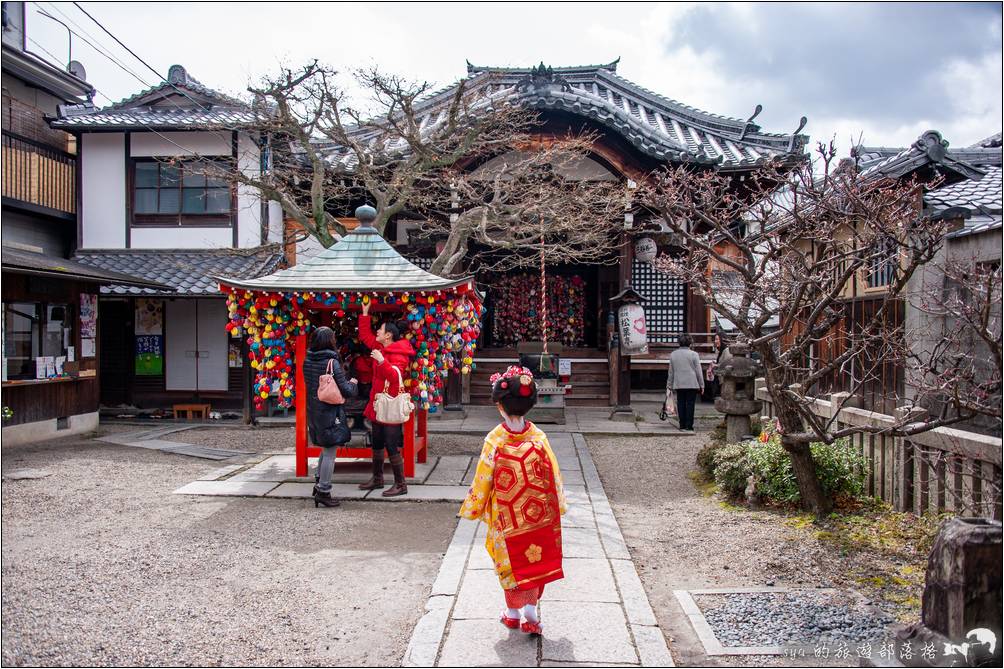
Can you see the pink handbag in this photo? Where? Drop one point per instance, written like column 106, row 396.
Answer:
column 327, row 389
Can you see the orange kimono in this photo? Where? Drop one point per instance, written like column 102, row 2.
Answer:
column 517, row 492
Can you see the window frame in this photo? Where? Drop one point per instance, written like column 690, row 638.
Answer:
column 224, row 219
column 42, row 308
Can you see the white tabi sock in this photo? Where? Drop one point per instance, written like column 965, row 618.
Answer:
column 530, row 613
column 512, row 613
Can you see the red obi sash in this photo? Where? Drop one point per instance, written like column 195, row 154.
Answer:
column 528, row 514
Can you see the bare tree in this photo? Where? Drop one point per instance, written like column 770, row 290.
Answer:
column 779, row 258
column 526, row 208
column 413, row 151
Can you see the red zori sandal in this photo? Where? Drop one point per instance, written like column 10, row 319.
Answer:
column 531, row 628
column 511, row 623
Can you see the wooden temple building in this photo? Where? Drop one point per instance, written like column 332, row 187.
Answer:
column 637, row 131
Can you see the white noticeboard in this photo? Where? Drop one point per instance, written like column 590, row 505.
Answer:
column 564, row 367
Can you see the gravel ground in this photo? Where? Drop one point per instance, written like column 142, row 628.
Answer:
column 103, row 566
column 681, row 539
column 779, row 619
column 257, row 440
column 269, row 439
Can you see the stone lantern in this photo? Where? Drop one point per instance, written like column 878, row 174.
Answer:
column 738, row 400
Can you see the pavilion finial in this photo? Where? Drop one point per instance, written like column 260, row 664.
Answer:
column 366, row 215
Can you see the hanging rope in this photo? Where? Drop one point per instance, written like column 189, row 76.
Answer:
column 543, row 288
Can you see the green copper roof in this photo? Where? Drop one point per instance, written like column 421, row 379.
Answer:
column 361, row 261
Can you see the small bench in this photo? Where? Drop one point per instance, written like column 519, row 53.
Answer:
column 192, row 411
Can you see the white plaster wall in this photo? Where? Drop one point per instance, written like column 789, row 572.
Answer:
column 103, row 211
column 149, row 144
column 274, row 221
column 248, row 202
column 182, row 238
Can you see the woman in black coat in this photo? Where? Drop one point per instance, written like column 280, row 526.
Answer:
column 327, row 424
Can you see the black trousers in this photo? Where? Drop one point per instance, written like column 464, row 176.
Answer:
column 686, row 398
column 388, row 438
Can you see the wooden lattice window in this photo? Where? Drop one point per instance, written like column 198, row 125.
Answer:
column 665, row 301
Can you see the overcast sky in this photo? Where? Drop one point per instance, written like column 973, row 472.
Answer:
column 887, row 72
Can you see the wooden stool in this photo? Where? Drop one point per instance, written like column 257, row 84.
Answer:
column 192, row 411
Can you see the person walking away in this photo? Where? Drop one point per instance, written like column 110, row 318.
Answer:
column 392, row 355
column 523, row 539
column 326, row 423
column 685, row 380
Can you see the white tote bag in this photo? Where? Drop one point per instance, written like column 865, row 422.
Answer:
column 393, row 410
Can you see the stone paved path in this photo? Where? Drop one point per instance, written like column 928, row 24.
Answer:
column 598, row 614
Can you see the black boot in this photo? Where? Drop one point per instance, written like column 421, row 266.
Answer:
column 400, row 486
column 376, row 479
column 324, row 499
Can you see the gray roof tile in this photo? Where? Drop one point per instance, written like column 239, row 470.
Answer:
column 658, row 126
column 361, row 261
column 189, row 271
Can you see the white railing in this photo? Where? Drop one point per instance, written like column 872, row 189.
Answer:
column 944, row 469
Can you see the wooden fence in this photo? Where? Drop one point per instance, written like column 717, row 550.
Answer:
column 38, row 174
column 944, row 469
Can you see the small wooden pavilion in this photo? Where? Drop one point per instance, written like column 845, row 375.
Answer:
column 277, row 312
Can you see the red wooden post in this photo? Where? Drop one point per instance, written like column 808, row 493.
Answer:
column 423, row 435
column 409, row 446
column 301, row 407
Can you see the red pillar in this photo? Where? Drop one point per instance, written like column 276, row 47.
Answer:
column 301, row 407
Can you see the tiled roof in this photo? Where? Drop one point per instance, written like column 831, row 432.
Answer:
column 930, row 147
column 38, row 264
column 181, row 102
column 189, row 271
column 982, row 194
column 362, row 260
column 658, row 126
column 993, row 141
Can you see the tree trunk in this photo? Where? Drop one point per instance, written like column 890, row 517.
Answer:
column 809, row 488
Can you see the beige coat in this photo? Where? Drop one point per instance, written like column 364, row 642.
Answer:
column 685, row 370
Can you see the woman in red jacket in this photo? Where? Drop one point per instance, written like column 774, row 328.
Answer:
column 392, row 354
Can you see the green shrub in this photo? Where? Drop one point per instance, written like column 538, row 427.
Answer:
column 732, row 469
column 706, row 459
column 841, row 469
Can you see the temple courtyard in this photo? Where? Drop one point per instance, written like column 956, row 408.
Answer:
column 167, row 544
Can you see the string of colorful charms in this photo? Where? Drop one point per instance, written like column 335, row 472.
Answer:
column 444, row 330
column 520, row 313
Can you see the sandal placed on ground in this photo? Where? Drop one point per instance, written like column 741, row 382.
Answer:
column 531, row 628
column 511, row 623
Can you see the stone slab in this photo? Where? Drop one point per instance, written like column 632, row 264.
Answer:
column 194, row 451
column 227, row 488
column 586, row 580
column 578, row 515
column 449, row 470
column 481, row 643
column 426, row 637
column 572, row 477
column 651, row 646
column 427, row 493
column 581, row 542
column 577, row 495
column 219, row 473
column 585, row 632
column 479, row 558
column 568, row 462
column 305, row 490
column 480, row 596
column 556, row 663
column 636, row 604
column 610, row 535
column 451, row 569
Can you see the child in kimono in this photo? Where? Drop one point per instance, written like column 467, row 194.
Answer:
column 517, row 492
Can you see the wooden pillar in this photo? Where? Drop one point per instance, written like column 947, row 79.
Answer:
column 301, row 407
column 623, row 361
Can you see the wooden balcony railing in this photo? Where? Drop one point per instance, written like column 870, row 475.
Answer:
column 38, row 174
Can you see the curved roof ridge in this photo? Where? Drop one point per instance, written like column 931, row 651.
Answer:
column 611, row 66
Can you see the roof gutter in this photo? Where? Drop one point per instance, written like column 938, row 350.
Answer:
column 34, row 70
